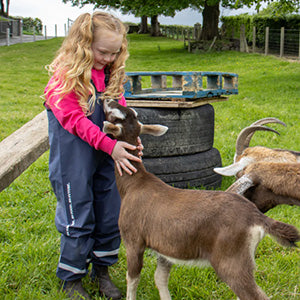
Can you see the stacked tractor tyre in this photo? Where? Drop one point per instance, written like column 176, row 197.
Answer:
column 183, row 157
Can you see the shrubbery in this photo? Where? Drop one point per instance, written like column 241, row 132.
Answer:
column 232, row 24
column 30, row 24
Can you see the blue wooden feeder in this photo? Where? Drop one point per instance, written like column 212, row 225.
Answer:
column 185, row 86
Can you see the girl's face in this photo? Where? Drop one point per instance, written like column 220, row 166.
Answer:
column 105, row 47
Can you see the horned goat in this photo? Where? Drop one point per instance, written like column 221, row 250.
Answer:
column 262, row 193
column 186, row 226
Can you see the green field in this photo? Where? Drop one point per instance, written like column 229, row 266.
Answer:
column 268, row 86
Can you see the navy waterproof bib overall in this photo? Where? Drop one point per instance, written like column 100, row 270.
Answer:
column 88, row 201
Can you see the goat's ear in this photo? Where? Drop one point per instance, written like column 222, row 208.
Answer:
column 111, row 128
column 135, row 112
column 155, row 130
column 233, row 169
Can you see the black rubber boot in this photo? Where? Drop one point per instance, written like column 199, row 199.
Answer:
column 106, row 287
column 75, row 291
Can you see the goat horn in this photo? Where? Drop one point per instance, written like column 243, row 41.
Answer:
column 241, row 185
column 243, row 139
column 267, row 121
column 263, row 122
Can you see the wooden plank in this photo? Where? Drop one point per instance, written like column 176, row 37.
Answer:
column 19, row 150
column 173, row 103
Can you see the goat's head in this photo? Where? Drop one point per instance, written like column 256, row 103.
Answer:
column 243, row 157
column 122, row 123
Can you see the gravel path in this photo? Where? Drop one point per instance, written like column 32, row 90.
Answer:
column 25, row 39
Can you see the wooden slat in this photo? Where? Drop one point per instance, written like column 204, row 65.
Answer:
column 173, row 103
column 19, row 150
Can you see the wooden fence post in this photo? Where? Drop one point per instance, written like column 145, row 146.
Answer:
column 243, row 41
column 267, row 41
column 299, row 44
column 254, row 39
column 282, row 41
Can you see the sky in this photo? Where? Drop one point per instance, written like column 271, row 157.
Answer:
column 52, row 12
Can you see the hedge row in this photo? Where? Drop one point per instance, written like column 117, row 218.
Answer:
column 232, row 24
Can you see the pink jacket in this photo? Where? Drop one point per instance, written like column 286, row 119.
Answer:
column 72, row 118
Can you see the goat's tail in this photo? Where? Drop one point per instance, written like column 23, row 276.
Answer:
column 287, row 235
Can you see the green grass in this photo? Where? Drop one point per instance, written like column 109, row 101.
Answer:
column 29, row 241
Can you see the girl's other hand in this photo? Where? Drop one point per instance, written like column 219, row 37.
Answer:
column 122, row 157
column 140, row 147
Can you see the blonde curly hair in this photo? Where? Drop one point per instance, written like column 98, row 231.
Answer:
column 71, row 68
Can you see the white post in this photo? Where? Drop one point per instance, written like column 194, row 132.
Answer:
column 55, row 30
column 7, row 37
column 21, row 31
column 65, row 26
column 45, row 30
column 33, row 30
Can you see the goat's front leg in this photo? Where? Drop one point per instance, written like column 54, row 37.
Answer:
column 134, row 267
column 161, row 277
column 132, row 284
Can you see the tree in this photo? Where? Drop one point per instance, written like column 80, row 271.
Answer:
column 30, row 24
column 139, row 8
column 210, row 9
column 144, row 25
column 210, row 14
column 279, row 9
column 4, row 12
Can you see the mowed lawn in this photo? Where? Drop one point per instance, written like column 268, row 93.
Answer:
column 268, row 86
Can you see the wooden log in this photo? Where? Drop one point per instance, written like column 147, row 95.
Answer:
column 212, row 44
column 19, row 150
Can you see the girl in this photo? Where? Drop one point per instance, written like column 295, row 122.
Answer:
column 89, row 66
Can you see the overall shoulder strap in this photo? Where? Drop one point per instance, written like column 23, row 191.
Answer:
column 107, row 75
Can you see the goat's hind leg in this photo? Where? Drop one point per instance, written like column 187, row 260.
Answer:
column 161, row 277
column 240, row 279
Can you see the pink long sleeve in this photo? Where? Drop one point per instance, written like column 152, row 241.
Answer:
column 71, row 117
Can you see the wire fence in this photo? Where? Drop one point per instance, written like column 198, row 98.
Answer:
column 11, row 32
column 12, row 25
column 281, row 42
column 286, row 40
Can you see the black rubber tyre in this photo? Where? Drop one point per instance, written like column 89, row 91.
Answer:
column 191, row 130
column 193, row 170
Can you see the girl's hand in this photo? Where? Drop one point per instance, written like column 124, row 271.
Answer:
column 122, row 157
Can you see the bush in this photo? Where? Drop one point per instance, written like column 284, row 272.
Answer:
column 232, row 24
column 30, row 24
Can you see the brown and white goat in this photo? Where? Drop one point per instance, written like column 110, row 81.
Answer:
column 264, row 195
column 281, row 178
column 186, row 226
